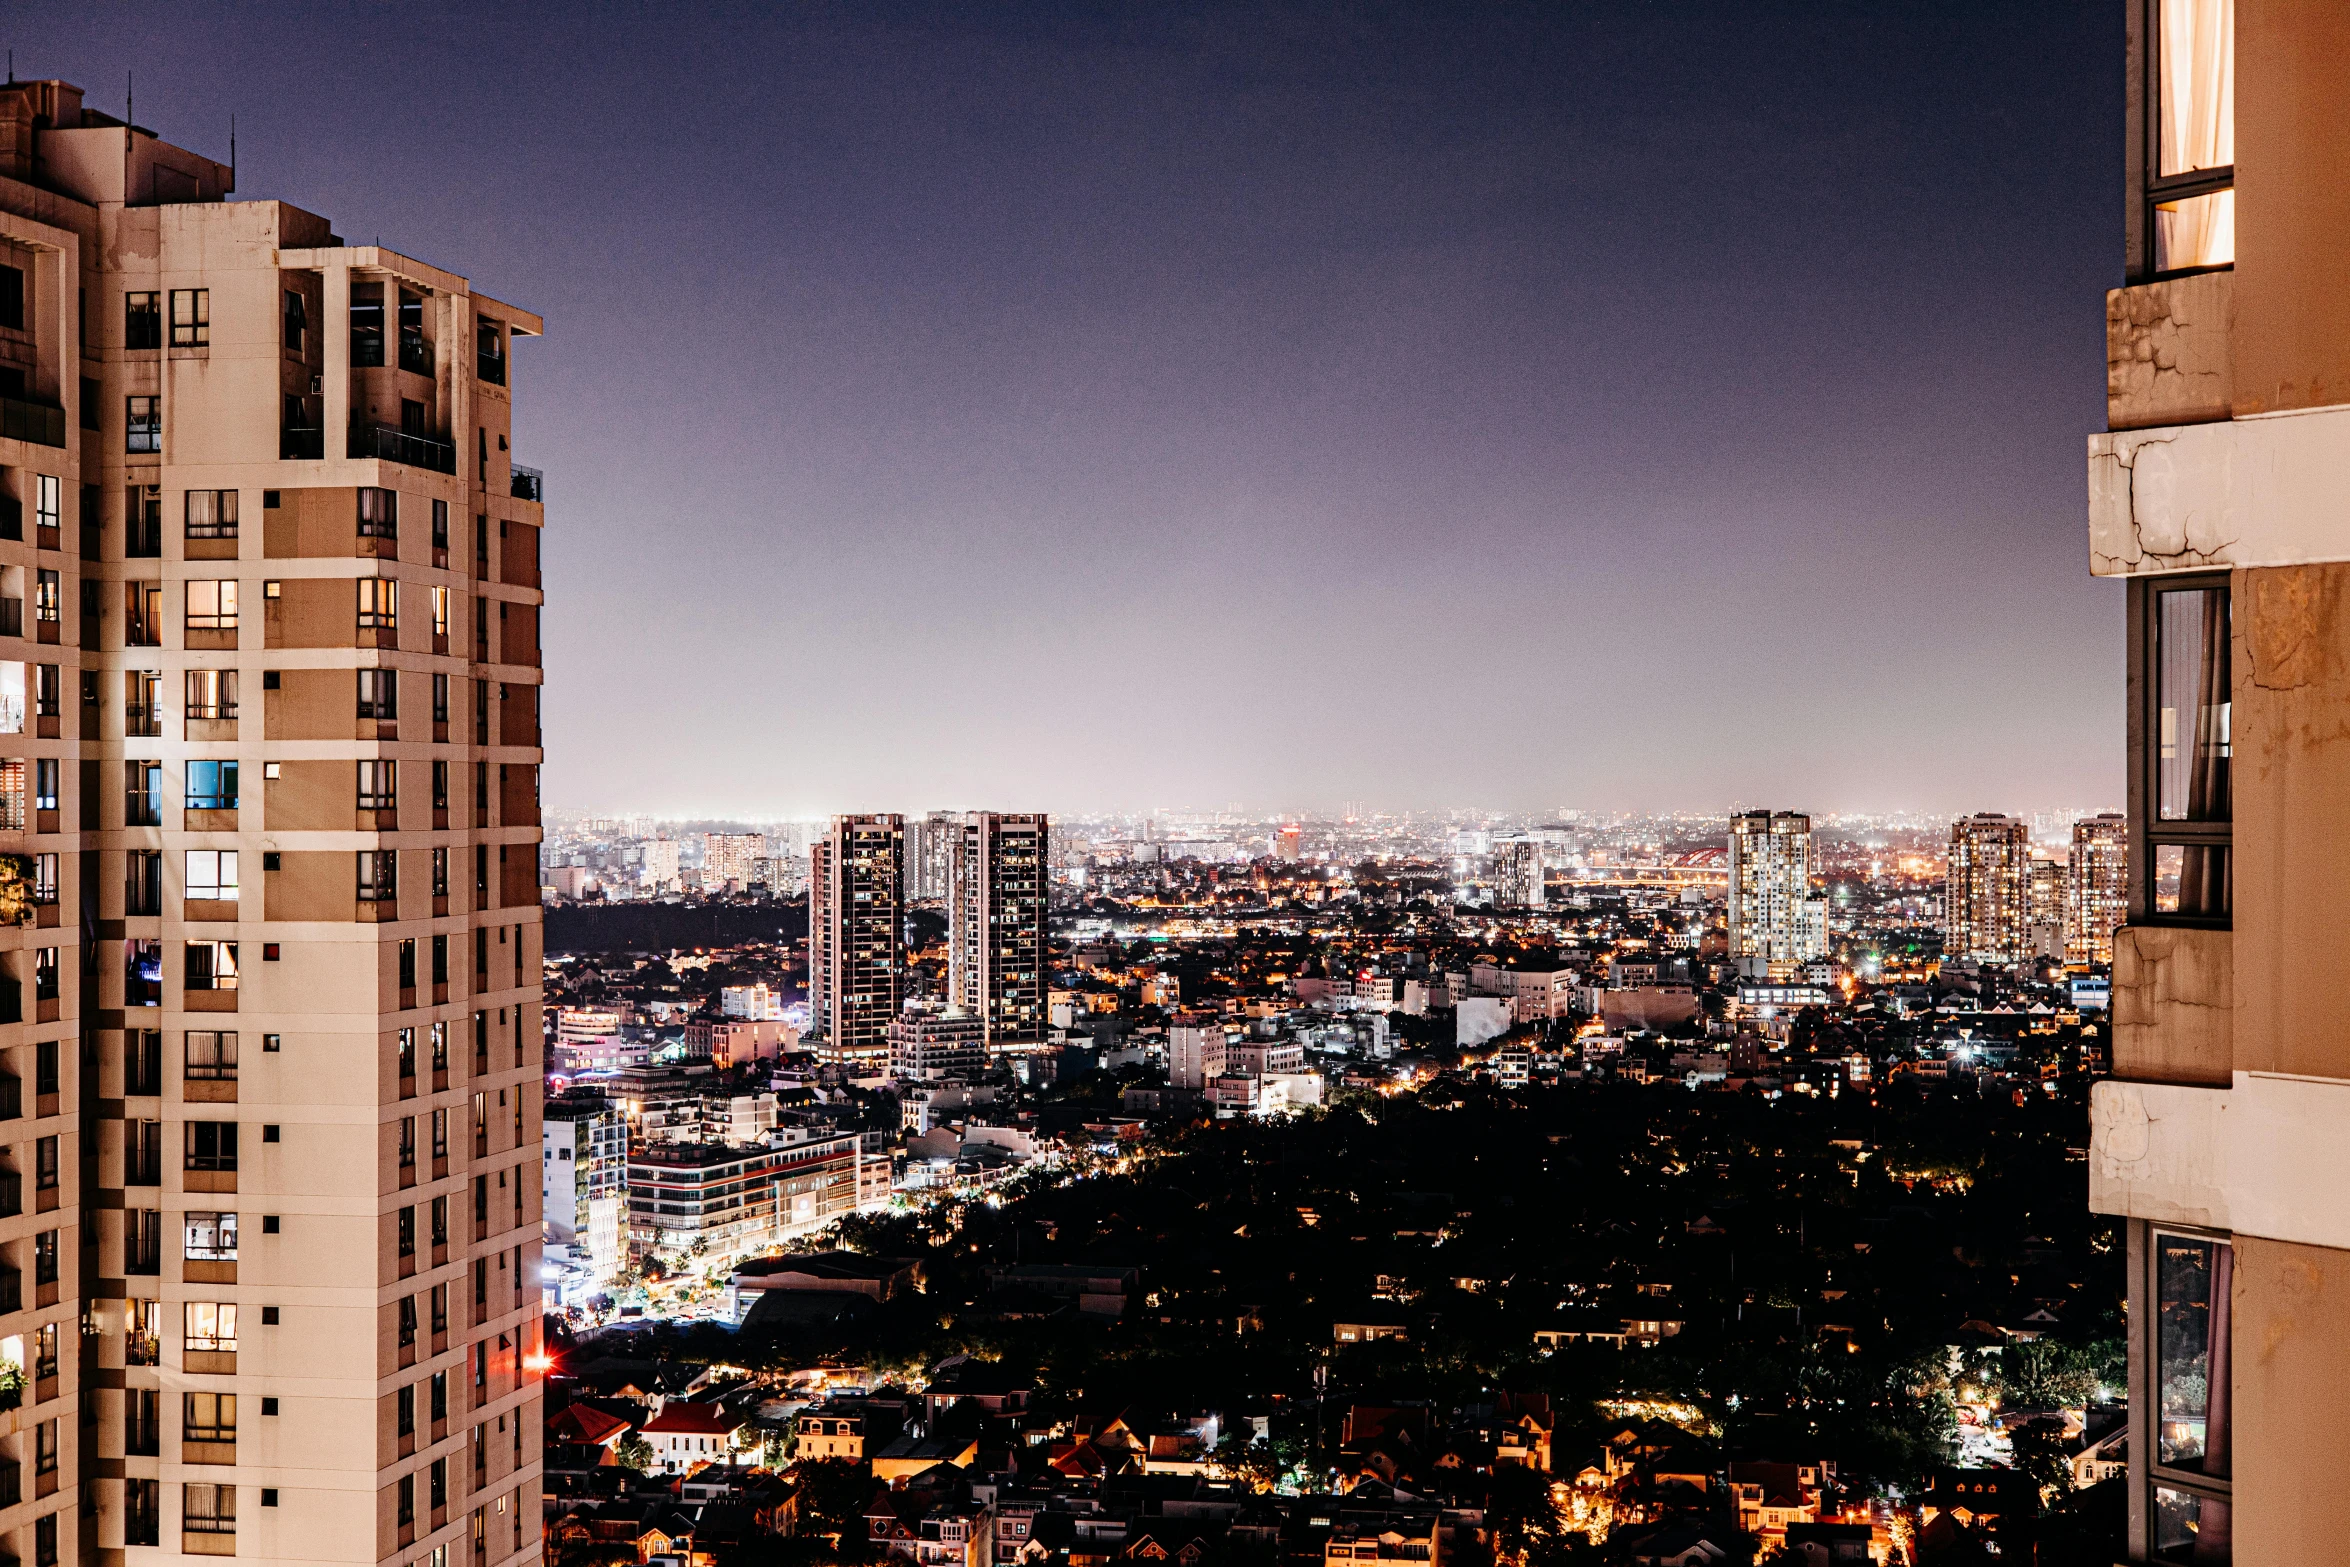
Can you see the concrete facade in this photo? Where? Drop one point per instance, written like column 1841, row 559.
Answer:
column 2222, row 471
column 284, row 823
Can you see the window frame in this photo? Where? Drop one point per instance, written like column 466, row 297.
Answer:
column 210, row 694
column 191, row 326
column 142, row 320
column 219, row 596
column 221, row 507
column 142, row 424
column 215, row 1332
column 2146, row 1475
column 213, row 1062
column 2142, row 150
column 2147, row 832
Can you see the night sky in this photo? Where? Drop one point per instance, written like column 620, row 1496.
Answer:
column 1067, row 408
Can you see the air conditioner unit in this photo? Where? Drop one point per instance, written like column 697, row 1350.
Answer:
column 317, row 385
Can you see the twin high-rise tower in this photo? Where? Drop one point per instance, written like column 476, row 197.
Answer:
column 991, row 869
column 269, row 752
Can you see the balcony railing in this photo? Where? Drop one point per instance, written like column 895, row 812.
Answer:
column 38, row 423
column 417, row 451
column 297, row 444
column 529, row 484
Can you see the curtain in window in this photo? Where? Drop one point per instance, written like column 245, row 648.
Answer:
column 2198, row 85
column 2198, row 130
column 2204, row 886
column 2214, row 1540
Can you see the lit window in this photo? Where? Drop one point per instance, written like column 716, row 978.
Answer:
column 212, row 606
column 212, row 873
column 379, row 603
column 2195, row 134
column 212, row 1326
column 212, row 1237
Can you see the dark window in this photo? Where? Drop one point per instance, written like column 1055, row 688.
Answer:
column 379, row 514
column 297, row 322
column 212, row 1145
column 367, row 326
column 489, row 352
column 12, row 297
column 142, row 320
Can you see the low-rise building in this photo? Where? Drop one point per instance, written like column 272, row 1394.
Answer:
column 686, row 1435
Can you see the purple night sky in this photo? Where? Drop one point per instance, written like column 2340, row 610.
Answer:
column 1090, row 407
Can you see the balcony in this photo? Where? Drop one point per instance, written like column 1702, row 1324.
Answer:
column 38, row 423
column 416, row 451
column 297, row 444
column 529, row 484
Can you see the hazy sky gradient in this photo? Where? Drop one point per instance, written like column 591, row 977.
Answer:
column 1077, row 407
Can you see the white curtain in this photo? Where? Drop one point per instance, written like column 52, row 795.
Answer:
column 2198, row 130
column 2198, row 85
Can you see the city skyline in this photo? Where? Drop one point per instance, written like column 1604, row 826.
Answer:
column 1414, row 359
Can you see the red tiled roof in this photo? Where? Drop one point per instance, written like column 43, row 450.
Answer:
column 584, row 1423
column 693, row 1420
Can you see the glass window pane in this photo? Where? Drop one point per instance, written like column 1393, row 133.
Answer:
column 2190, row 1528
column 2192, row 745
column 2191, row 1281
column 2198, row 85
column 2192, row 880
column 2199, row 231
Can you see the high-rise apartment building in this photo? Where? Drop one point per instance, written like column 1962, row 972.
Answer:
column 856, row 959
column 1517, row 872
column 1987, row 897
column 2216, row 493
column 738, row 859
column 2096, row 887
column 996, row 917
column 281, row 829
column 1777, row 923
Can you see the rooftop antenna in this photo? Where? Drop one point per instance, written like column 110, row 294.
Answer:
column 232, row 152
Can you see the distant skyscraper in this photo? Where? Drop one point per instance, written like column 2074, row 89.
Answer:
column 1289, row 843
column 1517, row 864
column 2098, row 888
column 855, row 961
column 1987, row 899
column 996, row 925
column 1776, row 924
column 2045, row 901
column 737, row 857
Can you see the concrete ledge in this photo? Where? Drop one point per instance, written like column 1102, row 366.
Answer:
column 2266, row 491
column 2264, row 1157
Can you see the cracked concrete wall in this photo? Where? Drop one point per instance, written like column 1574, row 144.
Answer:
column 2166, row 352
column 2291, row 729
column 2174, row 1000
column 2244, row 492
column 2292, row 103
column 2291, row 1383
